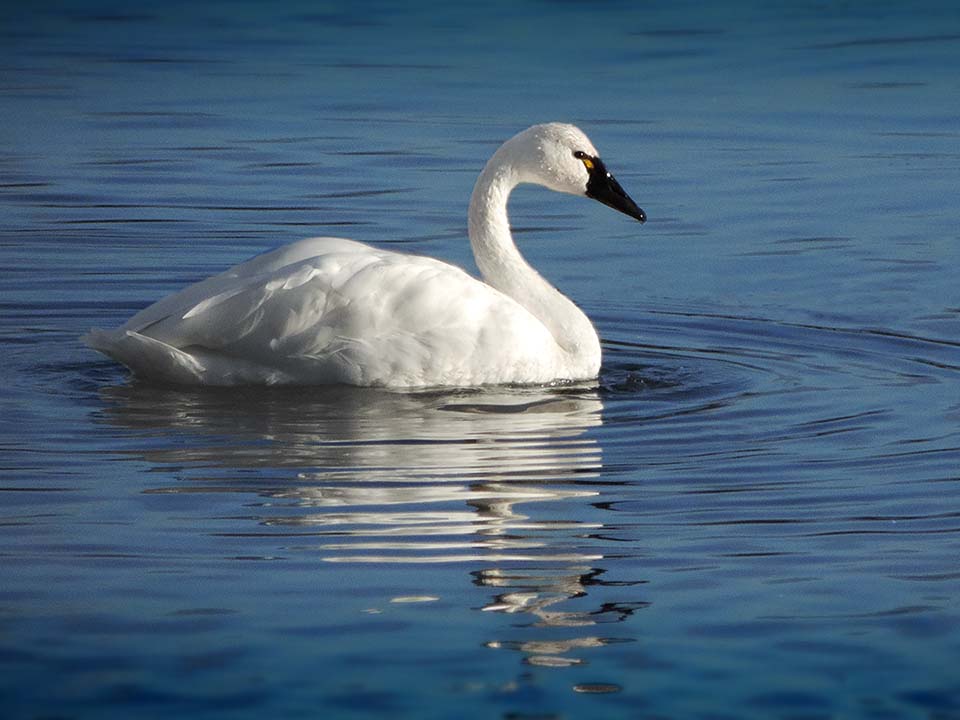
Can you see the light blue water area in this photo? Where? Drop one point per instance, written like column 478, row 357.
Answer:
column 754, row 513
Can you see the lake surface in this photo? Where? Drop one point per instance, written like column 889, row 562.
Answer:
column 755, row 513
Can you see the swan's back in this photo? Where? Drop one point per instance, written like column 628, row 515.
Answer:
column 329, row 310
column 241, row 275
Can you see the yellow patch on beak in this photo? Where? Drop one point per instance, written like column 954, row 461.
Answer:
column 587, row 163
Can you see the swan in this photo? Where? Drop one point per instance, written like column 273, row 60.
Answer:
column 335, row 311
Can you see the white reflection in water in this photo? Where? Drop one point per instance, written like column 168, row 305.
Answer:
column 496, row 479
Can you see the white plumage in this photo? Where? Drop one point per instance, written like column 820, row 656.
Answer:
column 330, row 310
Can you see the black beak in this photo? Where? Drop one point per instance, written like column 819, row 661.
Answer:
column 603, row 186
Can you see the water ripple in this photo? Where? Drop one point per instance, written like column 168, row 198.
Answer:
column 755, row 509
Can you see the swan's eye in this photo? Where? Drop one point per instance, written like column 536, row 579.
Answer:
column 584, row 158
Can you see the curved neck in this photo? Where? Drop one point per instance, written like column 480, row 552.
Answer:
column 504, row 268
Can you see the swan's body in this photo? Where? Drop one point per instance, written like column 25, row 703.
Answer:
column 329, row 310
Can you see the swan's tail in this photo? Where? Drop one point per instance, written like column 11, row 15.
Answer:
column 152, row 359
column 147, row 357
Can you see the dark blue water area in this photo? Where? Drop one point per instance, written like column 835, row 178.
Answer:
column 755, row 511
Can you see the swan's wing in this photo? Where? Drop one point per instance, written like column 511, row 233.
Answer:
column 359, row 317
column 256, row 309
column 236, row 279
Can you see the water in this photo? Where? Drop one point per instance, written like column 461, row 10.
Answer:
column 755, row 514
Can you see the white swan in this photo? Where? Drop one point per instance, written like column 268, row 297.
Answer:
column 329, row 310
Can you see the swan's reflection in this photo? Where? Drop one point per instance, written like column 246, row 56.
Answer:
column 496, row 479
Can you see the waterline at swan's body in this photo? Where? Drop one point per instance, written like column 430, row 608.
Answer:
column 330, row 310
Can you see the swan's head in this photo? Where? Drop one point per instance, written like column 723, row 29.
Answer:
column 562, row 158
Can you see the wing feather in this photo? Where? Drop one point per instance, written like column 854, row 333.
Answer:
column 338, row 311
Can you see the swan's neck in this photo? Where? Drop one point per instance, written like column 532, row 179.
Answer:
column 503, row 267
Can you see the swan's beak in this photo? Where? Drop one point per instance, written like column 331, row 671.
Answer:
column 604, row 187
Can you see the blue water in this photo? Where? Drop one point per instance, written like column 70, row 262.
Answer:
column 754, row 514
